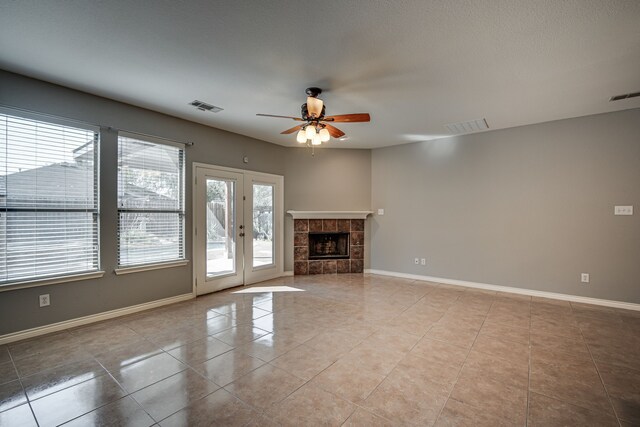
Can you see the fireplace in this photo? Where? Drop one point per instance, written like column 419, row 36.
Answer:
column 328, row 245
column 325, row 245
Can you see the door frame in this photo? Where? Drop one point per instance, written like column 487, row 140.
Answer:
column 278, row 219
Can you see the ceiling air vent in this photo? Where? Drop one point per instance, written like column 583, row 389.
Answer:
column 625, row 96
column 467, row 127
column 203, row 106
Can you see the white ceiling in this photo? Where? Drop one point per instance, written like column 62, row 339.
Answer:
column 415, row 65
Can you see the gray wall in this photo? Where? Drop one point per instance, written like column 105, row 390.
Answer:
column 529, row 207
column 348, row 171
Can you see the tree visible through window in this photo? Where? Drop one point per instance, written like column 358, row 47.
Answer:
column 150, row 202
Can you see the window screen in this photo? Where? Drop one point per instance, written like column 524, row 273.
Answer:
column 48, row 199
column 150, row 202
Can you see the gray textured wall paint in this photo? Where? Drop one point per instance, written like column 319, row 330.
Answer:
column 529, row 207
column 332, row 180
column 19, row 308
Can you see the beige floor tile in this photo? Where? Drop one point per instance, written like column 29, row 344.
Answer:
column 429, row 369
column 11, row 395
column 56, row 379
column 227, row 367
column 435, row 350
column 407, row 402
column 362, row 418
column 575, row 383
column 148, row 371
column 4, row 354
column 512, row 373
column 75, row 401
column 39, row 362
column 240, row 334
column 459, row 334
column 348, row 380
column 268, row 347
column 18, row 416
column 545, row 411
column 505, row 332
column 305, row 362
column 7, row 372
column 220, row 408
column 508, row 350
column 123, row 412
column 60, row 341
column 310, row 405
column 264, row 386
column 458, row 414
column 121, row 356
column 197, row 352
column 174, row 393
column 374, row 356
column 623, row 386
column 492, row 397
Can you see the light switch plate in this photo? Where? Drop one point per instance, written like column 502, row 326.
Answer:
column 623, row 210
column 380, row 211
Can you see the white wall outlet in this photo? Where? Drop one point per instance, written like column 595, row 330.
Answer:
column 380, row 211
column 416, row 261
column 623, row 210
column 584, row 277
column 423, row 261
column 44, row 300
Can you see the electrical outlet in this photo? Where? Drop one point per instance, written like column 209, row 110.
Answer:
column 584, row 277
column 44, row 300
column 623, row 210
column 416, row 261
column 423, row 261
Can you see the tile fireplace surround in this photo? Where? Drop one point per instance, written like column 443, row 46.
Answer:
column 304, row 266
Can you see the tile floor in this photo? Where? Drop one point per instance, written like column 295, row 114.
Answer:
column 347, row 350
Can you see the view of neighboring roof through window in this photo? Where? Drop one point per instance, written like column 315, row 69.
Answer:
column 49, row 204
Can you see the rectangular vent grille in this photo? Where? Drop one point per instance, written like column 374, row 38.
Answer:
column 467, row 127
column 203, row 106
column 625, row 96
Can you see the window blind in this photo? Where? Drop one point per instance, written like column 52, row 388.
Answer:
column 150, row 202
column 49, row 209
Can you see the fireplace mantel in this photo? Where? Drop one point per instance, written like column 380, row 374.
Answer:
column 329, row 214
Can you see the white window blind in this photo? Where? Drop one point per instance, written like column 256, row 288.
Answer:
column 48, row 199
column 150, row 202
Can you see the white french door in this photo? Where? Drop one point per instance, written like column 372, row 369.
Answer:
column 238, row 220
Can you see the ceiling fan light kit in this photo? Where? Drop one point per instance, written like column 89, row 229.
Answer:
column 316, row 130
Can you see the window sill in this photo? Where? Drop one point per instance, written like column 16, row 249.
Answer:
column 51, row 281
column 147, row 267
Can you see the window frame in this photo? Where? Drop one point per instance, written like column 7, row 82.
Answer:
column 153, row 265
column 63, row 277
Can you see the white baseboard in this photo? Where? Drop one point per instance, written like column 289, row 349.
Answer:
column 72, row 323
column 287, row 273
column 520, row 291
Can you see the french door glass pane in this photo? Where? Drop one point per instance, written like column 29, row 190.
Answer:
column 262, row 224
column 221, row 242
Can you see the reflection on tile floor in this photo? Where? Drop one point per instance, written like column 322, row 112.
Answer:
column 353, row 350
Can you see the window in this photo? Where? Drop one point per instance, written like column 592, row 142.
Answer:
column 48, row 199
column 150, row 202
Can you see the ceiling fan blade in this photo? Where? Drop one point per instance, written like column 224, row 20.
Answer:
column 334, row 131
column 352, row 118
column 298, row 119
column 292, row 130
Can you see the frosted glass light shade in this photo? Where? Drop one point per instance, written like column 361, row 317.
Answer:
column 316, row 140
column 324, row 135
column 310, row 132
column 314, row 106
column 302, row 136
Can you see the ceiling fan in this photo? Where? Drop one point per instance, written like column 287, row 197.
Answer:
column 316, row 128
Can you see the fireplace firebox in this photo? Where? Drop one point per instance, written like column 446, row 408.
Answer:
column 328, row 245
